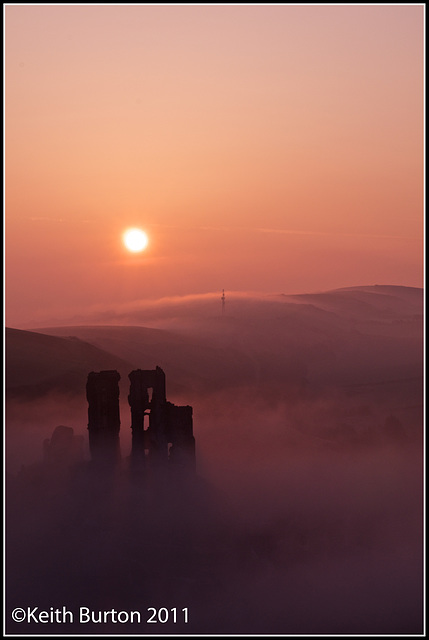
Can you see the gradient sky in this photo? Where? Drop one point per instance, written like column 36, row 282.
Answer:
column 266, row 148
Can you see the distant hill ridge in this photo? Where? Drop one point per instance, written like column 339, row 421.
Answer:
column 351, row 335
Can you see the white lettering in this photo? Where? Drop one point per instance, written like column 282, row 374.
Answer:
column 84, row 615
column 31, row 617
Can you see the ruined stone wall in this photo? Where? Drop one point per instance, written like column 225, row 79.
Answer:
column 162, row 433
column 102, row 392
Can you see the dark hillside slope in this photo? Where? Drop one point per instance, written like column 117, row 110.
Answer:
column 37, row 364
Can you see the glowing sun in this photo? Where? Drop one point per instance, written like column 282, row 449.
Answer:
column 135, row 240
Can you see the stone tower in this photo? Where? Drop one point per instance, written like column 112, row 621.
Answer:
column 102, row 392
column 162, row 433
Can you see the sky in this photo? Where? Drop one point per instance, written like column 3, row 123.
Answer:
column 269, row 148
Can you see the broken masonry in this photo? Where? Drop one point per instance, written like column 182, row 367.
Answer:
column 162, row 433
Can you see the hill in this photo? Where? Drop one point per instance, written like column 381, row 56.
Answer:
column 37, row 364
column 347, row 336
column 313, row 370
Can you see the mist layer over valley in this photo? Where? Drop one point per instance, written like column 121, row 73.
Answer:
column 306, row 512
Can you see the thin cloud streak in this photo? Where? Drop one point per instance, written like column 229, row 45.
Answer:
column 296, row 232
column 336, row 234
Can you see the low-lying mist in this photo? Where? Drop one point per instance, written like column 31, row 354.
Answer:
column 304, row 517
column 306, row 512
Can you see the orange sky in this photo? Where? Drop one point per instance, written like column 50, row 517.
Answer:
column 264, row 148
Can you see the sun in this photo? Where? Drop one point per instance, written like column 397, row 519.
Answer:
column 135, row 240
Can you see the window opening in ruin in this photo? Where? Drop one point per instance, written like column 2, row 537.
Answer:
column 146, row 418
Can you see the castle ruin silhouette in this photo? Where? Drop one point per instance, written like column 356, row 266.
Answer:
column 162, row 433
